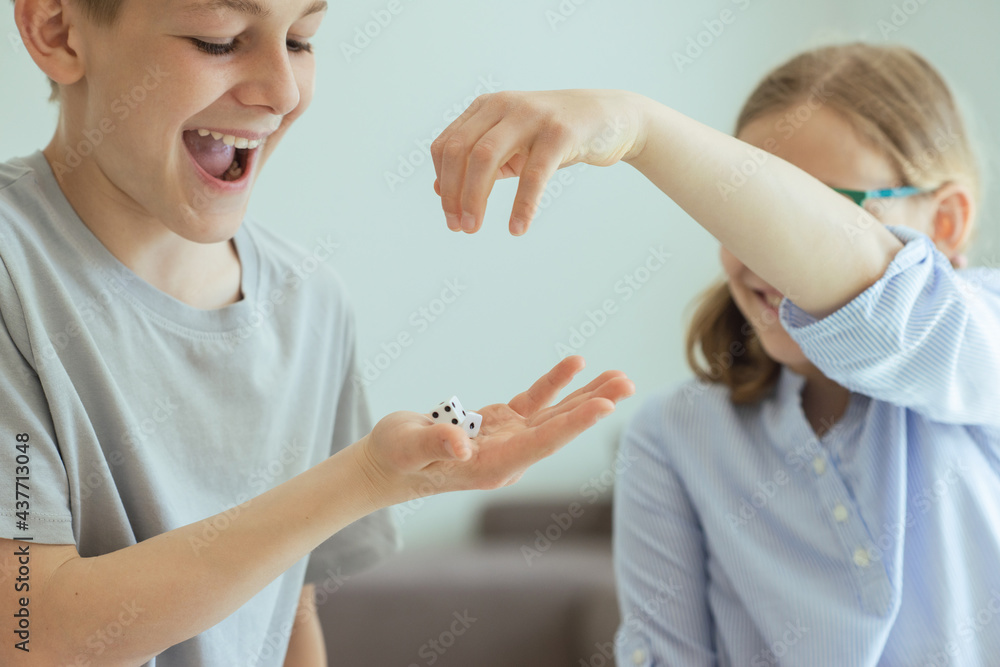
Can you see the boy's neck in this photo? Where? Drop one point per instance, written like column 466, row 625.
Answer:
column 203, row 275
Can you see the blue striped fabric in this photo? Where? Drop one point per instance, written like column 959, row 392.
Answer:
column 742, row 539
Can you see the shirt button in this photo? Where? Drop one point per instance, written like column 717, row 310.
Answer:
column 638, row 656
column 819, row 465
column 840, row 513
column 861, row 557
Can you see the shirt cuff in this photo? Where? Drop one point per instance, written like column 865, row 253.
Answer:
column 803, row 327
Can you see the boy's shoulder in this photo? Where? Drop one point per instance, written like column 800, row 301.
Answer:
column 12, row 171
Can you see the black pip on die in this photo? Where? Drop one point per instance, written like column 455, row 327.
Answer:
column 451, row 412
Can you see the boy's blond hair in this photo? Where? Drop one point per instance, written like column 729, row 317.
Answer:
column 897, row 102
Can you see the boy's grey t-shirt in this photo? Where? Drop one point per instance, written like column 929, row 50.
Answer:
column 144, row 414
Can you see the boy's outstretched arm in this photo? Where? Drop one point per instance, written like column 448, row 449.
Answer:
column 785, row 225
column 178, row 592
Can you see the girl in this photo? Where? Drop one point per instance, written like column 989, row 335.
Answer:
column 825, row 491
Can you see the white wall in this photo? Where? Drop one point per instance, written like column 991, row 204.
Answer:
column 522, row 296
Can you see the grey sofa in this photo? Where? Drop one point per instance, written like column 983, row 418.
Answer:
column 514, row 598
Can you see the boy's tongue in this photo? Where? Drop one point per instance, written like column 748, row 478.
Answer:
column 213, row 156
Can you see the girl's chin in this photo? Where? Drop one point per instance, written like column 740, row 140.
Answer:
column 784, row 351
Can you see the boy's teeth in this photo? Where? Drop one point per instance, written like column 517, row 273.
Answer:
column 231, row 140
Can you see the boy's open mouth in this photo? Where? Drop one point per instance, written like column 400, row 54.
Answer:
column 223, row 156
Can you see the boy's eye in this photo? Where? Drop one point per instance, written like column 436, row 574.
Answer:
column 213, row 48
column 226, row 48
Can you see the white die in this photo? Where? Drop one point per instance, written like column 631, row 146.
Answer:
column 473, row 421
column 449, row 412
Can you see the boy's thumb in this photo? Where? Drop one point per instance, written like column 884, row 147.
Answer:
column 446, row 444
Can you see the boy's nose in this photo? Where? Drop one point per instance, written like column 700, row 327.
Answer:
column 270, row 81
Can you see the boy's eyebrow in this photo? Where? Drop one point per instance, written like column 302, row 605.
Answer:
column 251, row 7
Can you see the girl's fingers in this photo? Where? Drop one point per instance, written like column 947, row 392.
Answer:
column 437, row 146
column 544, row 159
column 546, row 388
column 493, row 150
column 455, row 150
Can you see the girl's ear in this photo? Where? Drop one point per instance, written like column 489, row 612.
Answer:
column 952, row 220
column 46, row 32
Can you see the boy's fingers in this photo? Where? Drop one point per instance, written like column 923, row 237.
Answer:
column 614, row 390
column 551, row 435
column 546, row 388
column 594, row 384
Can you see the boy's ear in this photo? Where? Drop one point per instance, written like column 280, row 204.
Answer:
column 46, row 32
column 952, row 218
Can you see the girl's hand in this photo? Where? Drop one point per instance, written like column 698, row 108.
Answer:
column 529, row 135
column 407, row 455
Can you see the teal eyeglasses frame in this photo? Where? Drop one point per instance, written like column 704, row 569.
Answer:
column 860, row 196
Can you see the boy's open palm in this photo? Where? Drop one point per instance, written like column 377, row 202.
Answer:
column 407, row 455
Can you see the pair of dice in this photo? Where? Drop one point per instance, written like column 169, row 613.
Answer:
column 451, row 412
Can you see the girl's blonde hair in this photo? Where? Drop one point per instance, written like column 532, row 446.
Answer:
column 895, row 101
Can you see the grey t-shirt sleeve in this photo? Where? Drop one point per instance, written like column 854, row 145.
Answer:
column 36, row 502
column 372, row 538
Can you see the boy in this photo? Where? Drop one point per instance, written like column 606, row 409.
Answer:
column 162, row 360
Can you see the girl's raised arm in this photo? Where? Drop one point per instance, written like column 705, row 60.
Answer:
column 786, row 226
